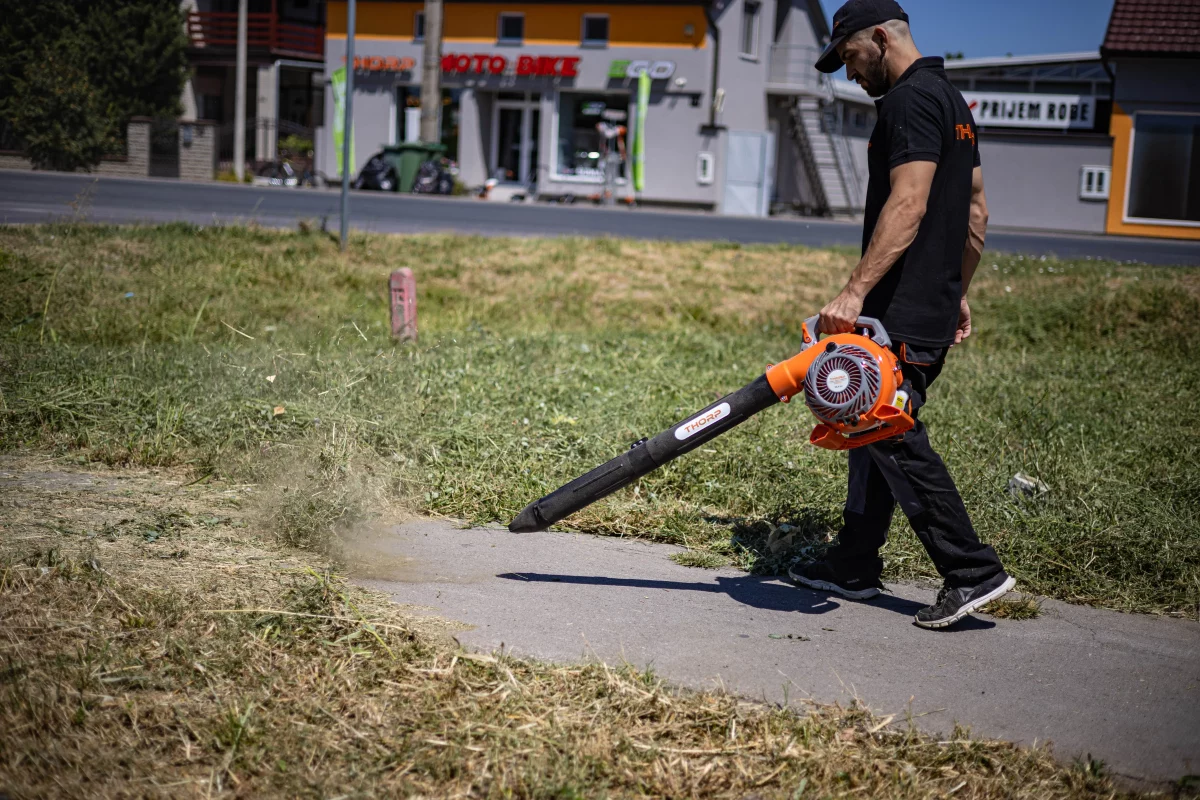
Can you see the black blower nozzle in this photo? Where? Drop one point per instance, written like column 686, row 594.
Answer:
column 646, row 456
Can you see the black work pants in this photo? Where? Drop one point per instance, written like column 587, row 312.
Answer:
column 907, row 471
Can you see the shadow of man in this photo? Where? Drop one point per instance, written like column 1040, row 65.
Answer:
column 757, row 591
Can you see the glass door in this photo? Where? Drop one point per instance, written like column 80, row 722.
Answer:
column 508, row 151
column 515, row 125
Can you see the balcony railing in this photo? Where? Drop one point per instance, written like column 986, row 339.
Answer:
column 792, row 65
column 219, row 29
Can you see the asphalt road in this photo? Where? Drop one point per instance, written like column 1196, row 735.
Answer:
column 1124, row 688
column 40, row 197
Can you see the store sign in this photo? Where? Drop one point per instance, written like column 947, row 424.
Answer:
column 1013, row 110
column 627, row 68
column 523, row 66
column 382, row 63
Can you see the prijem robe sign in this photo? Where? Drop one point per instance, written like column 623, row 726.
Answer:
column 1012, row 110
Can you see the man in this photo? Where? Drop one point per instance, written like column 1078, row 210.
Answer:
column 612, row 151
column 923, row 234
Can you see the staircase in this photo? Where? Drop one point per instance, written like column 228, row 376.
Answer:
column 815, row 127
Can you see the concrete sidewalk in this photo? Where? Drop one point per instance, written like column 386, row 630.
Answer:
column 1123, row 688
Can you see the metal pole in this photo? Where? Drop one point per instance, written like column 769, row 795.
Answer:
column 347, row 167
column 239, row 97
column 431, row 74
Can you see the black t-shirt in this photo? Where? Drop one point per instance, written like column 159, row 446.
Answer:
column 923, row 118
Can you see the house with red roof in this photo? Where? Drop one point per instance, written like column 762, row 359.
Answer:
column 1152, row 48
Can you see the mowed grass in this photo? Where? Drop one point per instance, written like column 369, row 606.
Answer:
column 155, row 642
column 266, row 355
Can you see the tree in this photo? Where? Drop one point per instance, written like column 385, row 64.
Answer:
column 138, row 55
column 132, row 54
column 61, row 115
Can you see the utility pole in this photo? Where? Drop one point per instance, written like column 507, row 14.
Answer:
column 431, row 74
column 239, row 97
column 347, row 167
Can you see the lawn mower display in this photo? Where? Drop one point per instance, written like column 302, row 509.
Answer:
column 851, row 382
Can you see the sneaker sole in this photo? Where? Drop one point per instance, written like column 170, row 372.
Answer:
column 999, row 591
column 849, row 594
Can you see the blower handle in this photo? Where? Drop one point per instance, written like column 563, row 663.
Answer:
column 873, row 327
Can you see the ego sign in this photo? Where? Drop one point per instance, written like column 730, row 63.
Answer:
column 626, row 68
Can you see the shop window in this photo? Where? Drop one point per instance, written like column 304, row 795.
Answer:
column 581, row 141
column 512, row 29
column 750, row 15
column 1093, row 183
column 1164, row 170
column 419, row 26
column 595, row 30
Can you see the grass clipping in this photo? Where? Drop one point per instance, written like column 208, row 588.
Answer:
column 153, row 643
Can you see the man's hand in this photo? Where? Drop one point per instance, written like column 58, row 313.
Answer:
column 964, row 322
column 840, row 314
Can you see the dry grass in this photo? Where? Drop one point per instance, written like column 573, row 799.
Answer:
column 704, row 559
column 1016, row 607
column 154, row 643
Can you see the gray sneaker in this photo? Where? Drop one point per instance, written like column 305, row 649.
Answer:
column 954, row 604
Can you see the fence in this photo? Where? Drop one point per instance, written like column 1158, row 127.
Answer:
column 153, row 147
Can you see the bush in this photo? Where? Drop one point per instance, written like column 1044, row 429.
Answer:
column 294, row 145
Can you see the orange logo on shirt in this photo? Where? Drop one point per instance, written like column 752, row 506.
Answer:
column 964, row 132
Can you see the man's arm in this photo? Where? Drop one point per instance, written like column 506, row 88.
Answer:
column 897, row 228
column 972, row 251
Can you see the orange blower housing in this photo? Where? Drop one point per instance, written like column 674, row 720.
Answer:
column 851, row 382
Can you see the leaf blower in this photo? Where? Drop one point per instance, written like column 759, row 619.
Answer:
column 851, row 382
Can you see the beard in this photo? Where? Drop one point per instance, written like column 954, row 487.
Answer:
column 874, row 76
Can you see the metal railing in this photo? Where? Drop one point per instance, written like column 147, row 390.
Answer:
column 793, row 65
column 219, row 29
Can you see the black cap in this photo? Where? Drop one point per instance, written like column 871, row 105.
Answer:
column 852, row 18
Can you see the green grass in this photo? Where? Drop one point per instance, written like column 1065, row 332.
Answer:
column 540, row 359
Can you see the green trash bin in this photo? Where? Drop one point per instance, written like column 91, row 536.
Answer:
column 406, row 158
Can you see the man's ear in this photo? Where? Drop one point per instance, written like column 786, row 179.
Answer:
column 880, row 37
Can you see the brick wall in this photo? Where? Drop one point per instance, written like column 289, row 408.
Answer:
column 137, row 152
column 136, row 162
column 14, row 161
column 198, row 161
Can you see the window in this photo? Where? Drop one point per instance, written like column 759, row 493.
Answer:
column 1164, row 169
column 512, row 29
column 581, row 143
column 595, row 29
column 750, row 11
column 1093, row 183
column 419, row 26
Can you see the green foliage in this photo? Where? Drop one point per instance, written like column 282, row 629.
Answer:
column 296, row 146
column 131, row 54
column 61, row 115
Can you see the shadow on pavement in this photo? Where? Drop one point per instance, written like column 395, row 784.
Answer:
column 756, row 591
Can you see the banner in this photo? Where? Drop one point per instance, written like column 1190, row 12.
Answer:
column 1017, row 110
column 337, row 82
column 639, row 143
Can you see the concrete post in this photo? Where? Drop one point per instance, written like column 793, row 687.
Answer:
column 239, row 94
column 266, row 127
column 431, row 74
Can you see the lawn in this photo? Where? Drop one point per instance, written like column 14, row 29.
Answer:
column 252, row 355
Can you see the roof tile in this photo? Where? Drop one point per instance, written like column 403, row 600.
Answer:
column 1166, row 27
